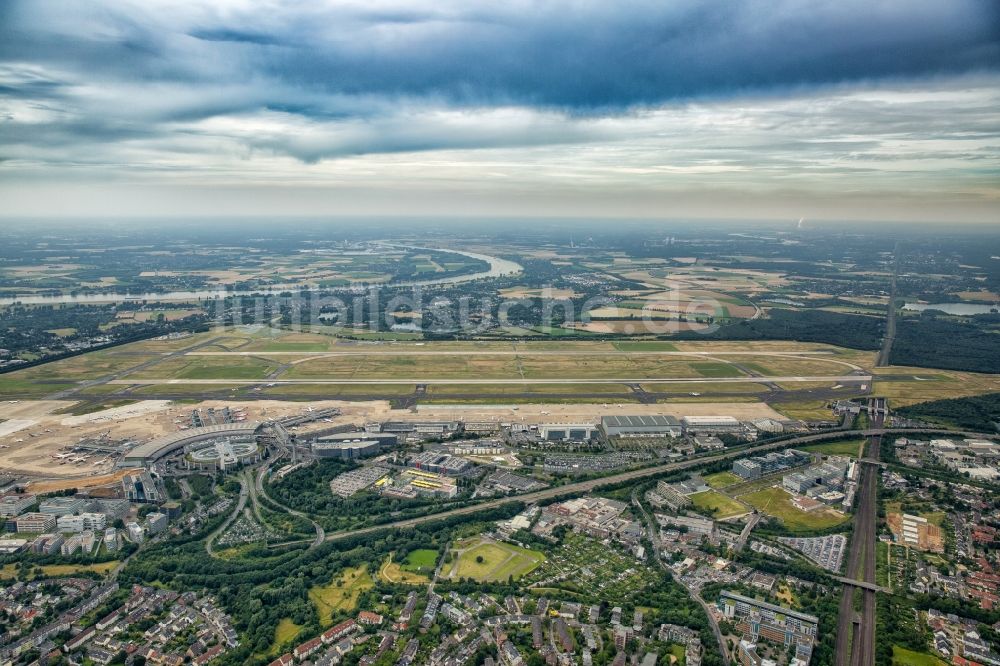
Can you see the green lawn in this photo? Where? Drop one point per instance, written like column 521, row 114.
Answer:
column 420, row 561
column 851, row 448
column 777, row 502
column 716, row 369
column 644, row 345
column 483, row 560
column 721, row 506
column 722, row 480
column 904, row 657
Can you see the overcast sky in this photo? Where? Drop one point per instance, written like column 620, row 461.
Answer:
column 840, row 109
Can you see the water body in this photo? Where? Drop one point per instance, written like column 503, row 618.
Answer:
column 951, row 308
column 498, row 268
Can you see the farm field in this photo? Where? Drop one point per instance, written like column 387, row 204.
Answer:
column 333, row 598
column 483, row 559
column 720, row 506
column 776, row 502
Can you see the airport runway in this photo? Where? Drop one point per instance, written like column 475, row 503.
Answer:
column 450, row 380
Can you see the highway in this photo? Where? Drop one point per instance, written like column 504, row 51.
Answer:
column 882, row 360
column 642, row 473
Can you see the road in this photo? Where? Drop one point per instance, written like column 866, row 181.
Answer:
column 855, row 645
column 642, row 473
column 890, row 321
column 258, row 489
column 244, row 496
column 654, row 536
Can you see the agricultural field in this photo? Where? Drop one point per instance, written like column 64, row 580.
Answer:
column 341, row 595
column 776, row 502
column 483, row 559
column 719, row 505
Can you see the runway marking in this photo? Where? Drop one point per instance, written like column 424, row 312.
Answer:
column 425, row 380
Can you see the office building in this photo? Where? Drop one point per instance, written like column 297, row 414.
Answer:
column 35, row 522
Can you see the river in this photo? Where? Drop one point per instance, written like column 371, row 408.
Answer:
column 498, row 268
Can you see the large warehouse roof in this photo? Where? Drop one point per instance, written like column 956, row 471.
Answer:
column 161, row 446
column 640, row 421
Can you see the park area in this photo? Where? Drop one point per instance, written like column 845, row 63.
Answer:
column 777, row 502
column 341, row 595
column 482, row 559
column 416, row 568
column 718, row 505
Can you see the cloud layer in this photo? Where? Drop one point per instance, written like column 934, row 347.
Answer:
column 793, row 98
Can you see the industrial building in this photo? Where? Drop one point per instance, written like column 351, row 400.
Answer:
column 352, row 445
column 572, row 432
column 711, row 425
column 641, row 426
column 443, row 463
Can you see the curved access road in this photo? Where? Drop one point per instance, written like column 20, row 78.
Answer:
column 645, row 472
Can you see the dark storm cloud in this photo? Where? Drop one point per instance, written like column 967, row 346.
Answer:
column 143, row 84
column 576, row 56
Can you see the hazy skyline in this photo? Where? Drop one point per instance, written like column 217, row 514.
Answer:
column 836, row 110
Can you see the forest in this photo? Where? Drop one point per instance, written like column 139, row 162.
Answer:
column 980, row 413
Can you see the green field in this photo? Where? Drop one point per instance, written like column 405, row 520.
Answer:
column 716, row 369
column 286, row 632
column 722, row 480
column 851, row 448
column 776, row 502
column 718, row 504
column 904, row 657
column 421, row 561
column 341, row 595
column 644, row 345
column 486, row 560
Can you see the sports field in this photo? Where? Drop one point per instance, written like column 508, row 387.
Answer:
column 482, row 559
